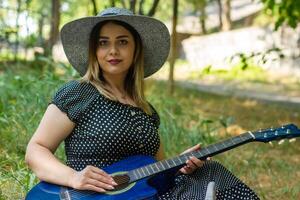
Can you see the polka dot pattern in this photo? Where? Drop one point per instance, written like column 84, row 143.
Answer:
column 194, row 186
column 106, row 131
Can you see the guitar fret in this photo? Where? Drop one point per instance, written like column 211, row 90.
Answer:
column 162, row 167
column 134, row 173
column 237, row 139
column 157, row 167
column 229, row 143
column 143, row 172
column 224, row 145
column 232, row 141
column 240, row 137
column 180, row 161
column 208, row 152
column 148, row 170
column 199, row 154
column 215, row 146
column 168, row 164
column 152, row 168
column 139, row 173
column 174, row 162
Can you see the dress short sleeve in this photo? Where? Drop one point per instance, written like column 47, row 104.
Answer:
column 74, row 98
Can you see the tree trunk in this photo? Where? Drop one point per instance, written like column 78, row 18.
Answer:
column 123, row 4
column 203, row 16
column 173, row 47
column 112, row 3
column 40, row 31
column 16, row 50
column 226, row 16
column 27, row 27
column 220, row 11
column 141, row 4
column 132, row 5
column 153, row 8
column 54, row 32
column 95, row 10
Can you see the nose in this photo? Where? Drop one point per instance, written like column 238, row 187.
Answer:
column 114, row 50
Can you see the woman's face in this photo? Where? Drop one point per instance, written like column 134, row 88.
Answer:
column 115, row 50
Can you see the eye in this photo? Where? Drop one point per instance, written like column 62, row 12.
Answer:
column 123, row 42
column 103, row 42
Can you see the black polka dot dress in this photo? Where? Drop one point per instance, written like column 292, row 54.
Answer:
column 107, row 131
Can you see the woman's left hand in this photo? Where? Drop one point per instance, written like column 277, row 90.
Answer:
column 193, row 163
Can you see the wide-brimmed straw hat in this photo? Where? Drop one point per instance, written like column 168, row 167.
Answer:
column 153, row 33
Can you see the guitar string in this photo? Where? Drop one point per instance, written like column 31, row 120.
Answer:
column 80, row 194
column 87, row 193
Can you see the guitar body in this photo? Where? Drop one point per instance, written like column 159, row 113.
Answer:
column 137, row 190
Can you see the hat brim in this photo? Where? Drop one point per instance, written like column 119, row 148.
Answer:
column 154, row 35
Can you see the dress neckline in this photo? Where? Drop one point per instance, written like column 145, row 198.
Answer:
column 117, row 102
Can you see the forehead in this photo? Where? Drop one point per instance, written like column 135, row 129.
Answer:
column 111, row 29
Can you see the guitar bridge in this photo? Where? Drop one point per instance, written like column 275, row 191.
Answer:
column 64, row 194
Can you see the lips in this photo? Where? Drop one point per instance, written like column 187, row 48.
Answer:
column 114, row 61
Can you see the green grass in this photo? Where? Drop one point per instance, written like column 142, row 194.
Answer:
column 187, row 118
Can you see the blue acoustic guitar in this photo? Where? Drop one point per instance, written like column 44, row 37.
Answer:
column 142, row 177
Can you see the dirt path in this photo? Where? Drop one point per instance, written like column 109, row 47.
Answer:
column 258, row 91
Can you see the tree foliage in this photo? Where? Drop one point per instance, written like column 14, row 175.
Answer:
column 284, row 11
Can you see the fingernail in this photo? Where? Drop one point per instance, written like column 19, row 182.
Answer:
column 114, row 183
column 111, row 187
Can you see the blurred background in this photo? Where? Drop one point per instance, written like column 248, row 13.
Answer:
column 233, row 67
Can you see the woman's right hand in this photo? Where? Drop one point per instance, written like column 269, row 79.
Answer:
column 92, row 178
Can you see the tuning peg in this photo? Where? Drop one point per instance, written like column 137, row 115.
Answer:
column 292, row 140
column 281, row 142
column 271, row 143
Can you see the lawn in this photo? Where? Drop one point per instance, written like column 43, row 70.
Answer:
column 187, row 118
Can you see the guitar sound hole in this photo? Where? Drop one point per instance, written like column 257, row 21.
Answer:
column 122, row 181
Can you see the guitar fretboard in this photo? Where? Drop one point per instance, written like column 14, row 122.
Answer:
column 178, row 161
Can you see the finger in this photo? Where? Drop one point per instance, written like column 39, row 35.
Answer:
column 196, row 147
column 94, row 188
column 101, row 172
column 100, row 184
column 186, row 170
column 101, row 178
column 183, row 170
column 196, row 161
column 191, row 165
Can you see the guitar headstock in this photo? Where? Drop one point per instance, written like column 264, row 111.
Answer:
column 285, row 132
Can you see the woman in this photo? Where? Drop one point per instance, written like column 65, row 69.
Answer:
column 104, row 117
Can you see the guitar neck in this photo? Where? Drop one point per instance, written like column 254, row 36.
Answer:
column 179, row 161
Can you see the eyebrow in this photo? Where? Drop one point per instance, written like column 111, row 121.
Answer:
column 119, row 37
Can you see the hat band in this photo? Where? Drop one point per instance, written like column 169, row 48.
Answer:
column 108, row 14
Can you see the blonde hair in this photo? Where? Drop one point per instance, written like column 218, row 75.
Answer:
column 134, row 81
